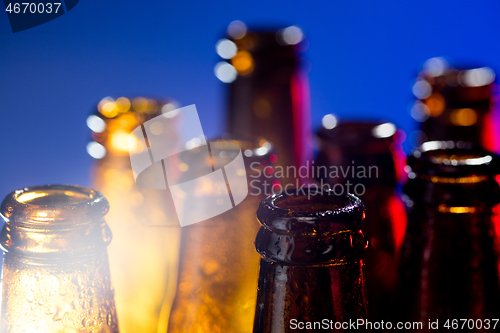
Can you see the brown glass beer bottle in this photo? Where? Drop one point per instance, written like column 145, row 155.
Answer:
column 450, row 261
column 456, row 103
column 311, row 277
column 269, row 96
column 366, row 156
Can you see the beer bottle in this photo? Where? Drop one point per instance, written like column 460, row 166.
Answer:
column 311, row 244
column 450, row 262
column 55, row 271
column 365, row 158
column 145, row 251
column 218, row 264
column 456, row 103
column 269, row 94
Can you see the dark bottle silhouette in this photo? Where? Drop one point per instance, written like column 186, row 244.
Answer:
column 450, row 262
column 311, row 270
column 269, row 97
column 372, row 151
column 456, row 103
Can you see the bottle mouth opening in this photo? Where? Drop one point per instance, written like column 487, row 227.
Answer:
column 312, row 202
column 311, row 211
column 53, row 221
column 47, row 204
column 54, row 195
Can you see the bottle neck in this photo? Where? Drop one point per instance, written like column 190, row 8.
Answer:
column 448, row 177
column 315, row 228
column 311, row 269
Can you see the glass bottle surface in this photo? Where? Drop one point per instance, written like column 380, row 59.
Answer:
column 269, row 97
column 218, row 264
column 365, row 158
column 55, row 273
column 145, row 251
column 311, row 267
column 456, row 103
column 450, row 261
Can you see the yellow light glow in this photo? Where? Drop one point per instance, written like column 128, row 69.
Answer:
column 183, row 167
column 154, row 262
column 436, row 104
column 243, row 63
column 136, row 198
column 122, row 104
column 458, row 180
column 152, row 106
column 456, row 210
column 140, row 104
column 127, row 121
column 109, row 109
column 30, row 196
column 463, row 117
column 119, row 142
column 105, row 101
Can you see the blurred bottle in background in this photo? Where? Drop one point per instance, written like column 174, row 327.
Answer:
column 450, row 263
column 219, row 267
column 368, row 156
column 457, row 104
column 268, row 91
column 311, row 268
column 145, row 251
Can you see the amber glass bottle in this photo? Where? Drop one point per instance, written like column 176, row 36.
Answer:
column 218, row 264
column 269, row 96
column 455, row 103
column 368, row 156
column 145, row 251
column 450, row 264
column 55, row 272
column 311, row 243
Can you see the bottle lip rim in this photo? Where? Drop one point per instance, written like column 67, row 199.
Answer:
column 93, row 195
column 436, row 158
column 323, row 221
column 54, row 231
column 95, row 206
column 272, row 200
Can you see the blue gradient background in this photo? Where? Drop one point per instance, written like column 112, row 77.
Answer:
column 363, row 57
